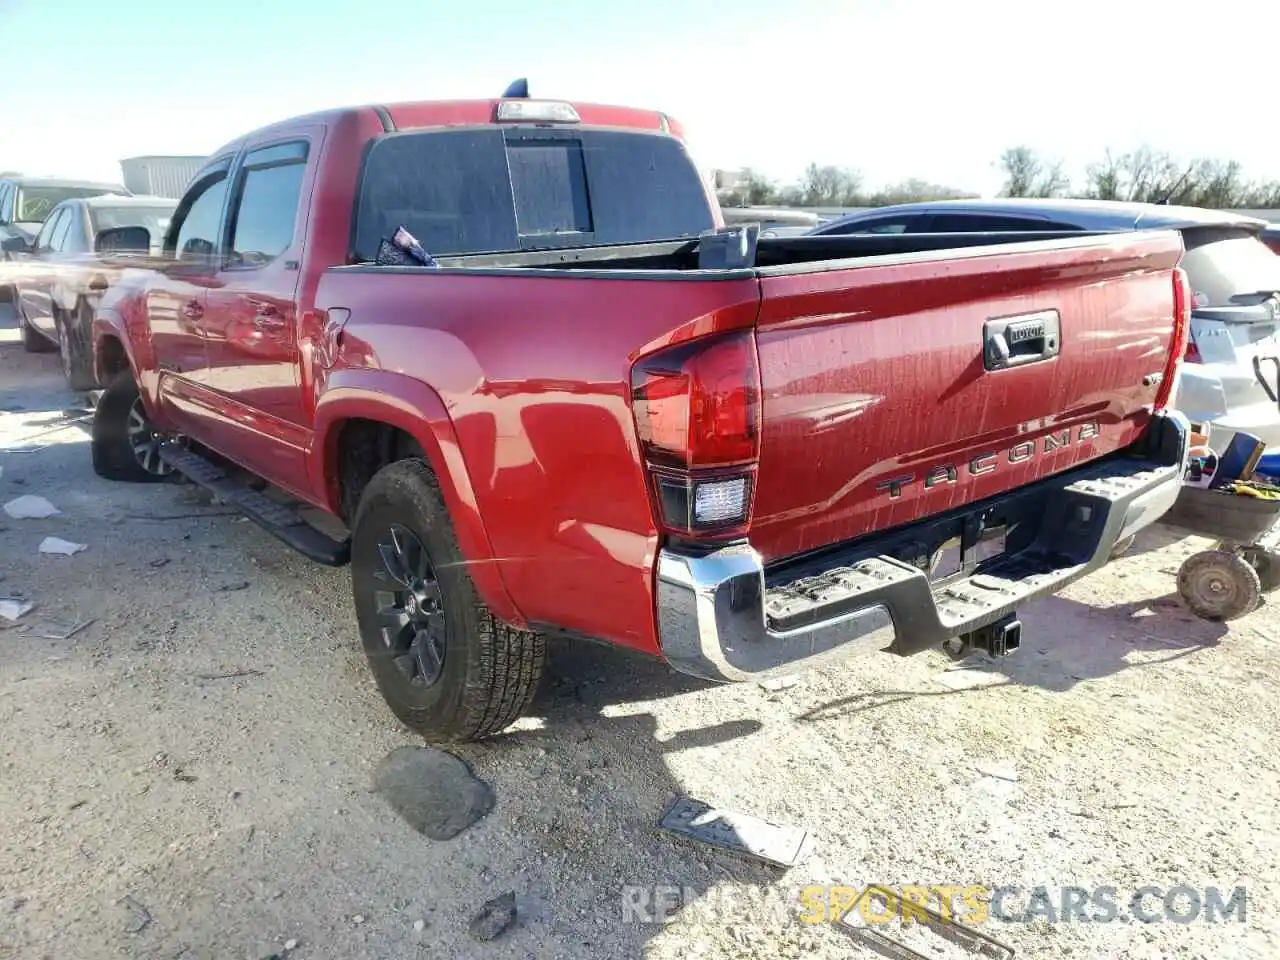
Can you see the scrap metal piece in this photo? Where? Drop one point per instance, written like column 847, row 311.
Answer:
column 773, row 843
column 891, row 905
column 57, row 629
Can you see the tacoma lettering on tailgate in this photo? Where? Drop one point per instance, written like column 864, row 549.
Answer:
column 991, row 460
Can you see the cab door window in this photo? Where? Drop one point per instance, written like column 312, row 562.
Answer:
column 269, row 189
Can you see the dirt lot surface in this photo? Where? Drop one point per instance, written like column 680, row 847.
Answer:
column 191, row 774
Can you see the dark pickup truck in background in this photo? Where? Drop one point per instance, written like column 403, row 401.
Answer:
column 590, row 410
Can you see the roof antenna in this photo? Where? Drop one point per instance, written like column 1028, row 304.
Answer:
column 519, row 90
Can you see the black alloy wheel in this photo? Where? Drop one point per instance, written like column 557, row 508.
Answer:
column 144, row 441
column 412, row 612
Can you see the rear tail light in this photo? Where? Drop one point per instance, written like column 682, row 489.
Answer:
column 697, row 411
column 1193, row 353
column 1181, row 340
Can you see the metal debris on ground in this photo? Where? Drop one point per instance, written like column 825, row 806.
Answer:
column 57, row 629
column 434, row 791
column 1000, row 770
column 781, row 845
column 229, row 675
column 494, row 918
column 231, row 587
column 880, row 904
column 160, row 517
column 157, row 564
column 30, row 507
column 57, row 545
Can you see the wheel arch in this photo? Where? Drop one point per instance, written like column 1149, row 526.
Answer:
column 381, row 407
column 111, row 352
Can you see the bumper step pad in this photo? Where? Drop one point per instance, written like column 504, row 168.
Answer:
column 1072, row 540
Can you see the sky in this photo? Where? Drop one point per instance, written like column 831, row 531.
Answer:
column 914, row 88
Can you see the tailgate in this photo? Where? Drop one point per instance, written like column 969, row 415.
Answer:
column 884, row 396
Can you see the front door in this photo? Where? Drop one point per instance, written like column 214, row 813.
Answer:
column 176, row 300
column 250, row 321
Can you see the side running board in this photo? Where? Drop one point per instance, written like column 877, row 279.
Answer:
column 279, row 519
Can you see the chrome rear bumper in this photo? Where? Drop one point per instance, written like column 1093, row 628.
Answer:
column 720, row 617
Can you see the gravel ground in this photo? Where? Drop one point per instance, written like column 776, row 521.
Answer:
column 152, row 805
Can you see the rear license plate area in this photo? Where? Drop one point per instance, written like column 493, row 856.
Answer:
column 963, row 552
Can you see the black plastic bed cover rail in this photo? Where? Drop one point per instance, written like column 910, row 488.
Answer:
column 663, row 257
column 1055, row 530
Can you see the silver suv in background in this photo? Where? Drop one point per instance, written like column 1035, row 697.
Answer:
column 1232, row 375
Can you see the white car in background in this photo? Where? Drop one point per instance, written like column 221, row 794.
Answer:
column 1232, row 375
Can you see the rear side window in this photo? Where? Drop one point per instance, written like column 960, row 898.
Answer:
column 899, row 224
column 496, row 190
column 988, row 223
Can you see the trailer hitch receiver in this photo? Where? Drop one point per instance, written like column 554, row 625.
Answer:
column 997, row 639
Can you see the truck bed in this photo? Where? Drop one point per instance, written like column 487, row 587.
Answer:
column 875, row 408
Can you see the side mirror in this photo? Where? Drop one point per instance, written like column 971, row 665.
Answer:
column 123, row 240
column 15, row 244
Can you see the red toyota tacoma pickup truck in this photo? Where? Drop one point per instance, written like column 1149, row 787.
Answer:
column 586, row 408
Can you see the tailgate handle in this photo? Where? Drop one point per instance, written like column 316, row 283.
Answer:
column 1026, row 338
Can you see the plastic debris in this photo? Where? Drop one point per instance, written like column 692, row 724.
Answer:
column 30, row 507
column 775, row 843
column 13, row 609
column 64, row 547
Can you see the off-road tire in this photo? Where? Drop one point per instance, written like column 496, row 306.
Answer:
column 489, row 671
column 113, row 456
column 73, row 348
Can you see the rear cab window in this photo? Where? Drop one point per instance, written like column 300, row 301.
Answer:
column 491, row 190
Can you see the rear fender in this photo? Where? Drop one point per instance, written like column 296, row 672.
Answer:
column 415, row 408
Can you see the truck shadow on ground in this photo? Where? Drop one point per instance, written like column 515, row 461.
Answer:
column 617, row 768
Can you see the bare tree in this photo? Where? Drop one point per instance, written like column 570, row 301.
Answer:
column 1026, row 174
column 1154, row 176
column 757, row 189
column 829, row 186
column 915, row 190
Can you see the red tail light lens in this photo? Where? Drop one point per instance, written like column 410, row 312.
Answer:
column 697, row 405
column 1181, row 339
column 1193, row 353
column 697, row 411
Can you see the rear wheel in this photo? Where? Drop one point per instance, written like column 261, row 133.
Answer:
column 125, row 443
column 447, row 668
column 73, row 346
